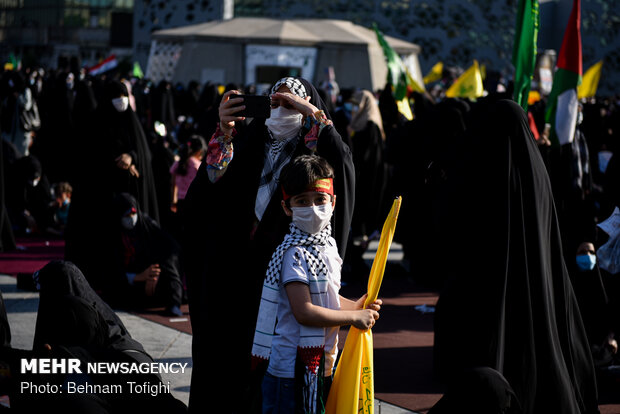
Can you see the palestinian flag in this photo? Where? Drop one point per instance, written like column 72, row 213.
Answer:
column 562, row 105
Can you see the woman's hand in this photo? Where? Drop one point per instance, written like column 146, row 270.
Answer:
column 149, row 276
column 229, row 106
column 292, row 101
column 151, row 272
column 124, row 161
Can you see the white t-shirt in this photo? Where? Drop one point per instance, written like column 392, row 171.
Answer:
column 286, row 339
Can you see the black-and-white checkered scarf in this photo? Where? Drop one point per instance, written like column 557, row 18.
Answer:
column 266, row 323
column 294, row 85
column 278, row 153
column 311, row 346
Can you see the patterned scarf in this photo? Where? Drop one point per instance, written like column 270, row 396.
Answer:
column 311, row 339
column 277, row 153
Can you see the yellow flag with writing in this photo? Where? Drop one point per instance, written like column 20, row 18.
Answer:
column 468, row 85
column 589, row 81
column 352, row 390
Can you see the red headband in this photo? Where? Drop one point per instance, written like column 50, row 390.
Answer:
column 322, row 185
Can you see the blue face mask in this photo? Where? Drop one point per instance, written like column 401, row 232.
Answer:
column 586, row 262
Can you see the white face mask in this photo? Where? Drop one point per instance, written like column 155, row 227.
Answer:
column 129, row 222
column 312, row 219
column 284, row 123
column 121, row 104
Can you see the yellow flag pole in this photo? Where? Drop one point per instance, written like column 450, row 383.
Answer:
column 352, row 390
column 385, row 241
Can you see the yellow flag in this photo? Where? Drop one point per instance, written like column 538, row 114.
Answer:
column 434, row 74
column 352, row 390
column 589, row 81
column 405, row 108
column 533, row 97
column 468, row 85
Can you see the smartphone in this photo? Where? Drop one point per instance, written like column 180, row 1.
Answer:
column 256, row 106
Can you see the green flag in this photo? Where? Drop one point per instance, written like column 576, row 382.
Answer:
column 397, row 73
column 14, row 62
column 525, row 49
column 137, row 71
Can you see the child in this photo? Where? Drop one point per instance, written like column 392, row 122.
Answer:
column 301, row 310
column 60, row 206
column 184, row 170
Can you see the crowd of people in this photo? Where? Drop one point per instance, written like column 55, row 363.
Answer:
column 165, row 195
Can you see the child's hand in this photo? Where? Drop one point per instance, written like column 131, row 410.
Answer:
column 376, row 305
column 365, row 319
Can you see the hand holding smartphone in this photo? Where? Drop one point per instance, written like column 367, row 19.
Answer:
column 256, row 106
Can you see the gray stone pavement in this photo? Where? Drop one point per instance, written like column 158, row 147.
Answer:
column 164, row 344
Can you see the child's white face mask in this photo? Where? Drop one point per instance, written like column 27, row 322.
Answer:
column 312, row 219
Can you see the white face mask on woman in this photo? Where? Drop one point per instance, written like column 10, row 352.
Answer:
column 121, row 104
column 129, row 222
column 312, row 219
column 284, row 123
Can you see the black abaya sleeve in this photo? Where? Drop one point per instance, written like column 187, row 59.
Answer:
column 337, row 153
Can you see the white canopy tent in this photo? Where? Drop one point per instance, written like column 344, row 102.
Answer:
column 252, row 50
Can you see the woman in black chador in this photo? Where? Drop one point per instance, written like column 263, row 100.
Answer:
column 74, row 322
column 148, row 263
column 115, row 159
column 507, row 302
column 234, row 221
column 124, row 144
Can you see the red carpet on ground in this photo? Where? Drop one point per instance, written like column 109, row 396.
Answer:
column 31, row 255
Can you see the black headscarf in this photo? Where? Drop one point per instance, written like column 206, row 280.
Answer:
column 508, row 302
column 60, row 279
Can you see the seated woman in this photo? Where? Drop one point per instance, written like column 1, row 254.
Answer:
column 74, row 322
column 148, row 267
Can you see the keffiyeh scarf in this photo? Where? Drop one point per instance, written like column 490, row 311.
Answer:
column 311, row 339
column 277, row 153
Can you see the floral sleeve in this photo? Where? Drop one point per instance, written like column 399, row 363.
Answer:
column 219, row 154
column 315, row 124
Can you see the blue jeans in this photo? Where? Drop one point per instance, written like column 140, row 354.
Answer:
column 278, row 395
